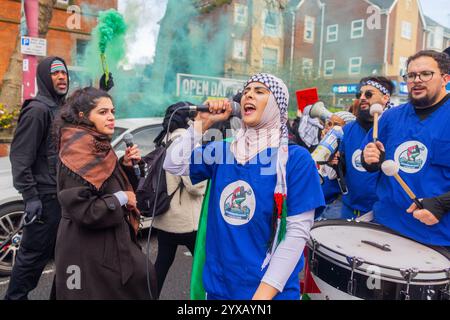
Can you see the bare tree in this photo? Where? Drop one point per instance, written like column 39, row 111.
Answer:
column 11, row 89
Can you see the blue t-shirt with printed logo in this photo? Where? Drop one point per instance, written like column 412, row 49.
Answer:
column 422, row 150
column 240, row 215
column 361, row 184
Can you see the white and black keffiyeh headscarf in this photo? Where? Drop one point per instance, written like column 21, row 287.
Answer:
column 280, row 91
column 381, row 88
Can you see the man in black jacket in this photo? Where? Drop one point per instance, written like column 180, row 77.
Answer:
column 33, row 159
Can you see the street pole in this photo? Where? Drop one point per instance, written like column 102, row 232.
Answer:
column 30, row 61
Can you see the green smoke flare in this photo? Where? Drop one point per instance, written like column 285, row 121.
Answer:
column 110, row 25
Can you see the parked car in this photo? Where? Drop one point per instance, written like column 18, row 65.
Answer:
column 144, row 131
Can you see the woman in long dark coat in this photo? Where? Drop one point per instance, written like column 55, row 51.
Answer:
column 97, row 255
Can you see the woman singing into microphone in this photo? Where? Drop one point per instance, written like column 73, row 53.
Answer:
column 264, row 193
column 97, row 255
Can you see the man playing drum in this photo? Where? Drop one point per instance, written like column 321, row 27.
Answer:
column 421, row 125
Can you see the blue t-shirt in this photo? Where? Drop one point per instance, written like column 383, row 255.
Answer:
column 240, row 214
column 361, row 184
column 331, row 190
column 422, row 149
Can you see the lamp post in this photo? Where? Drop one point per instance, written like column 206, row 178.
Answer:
column 30, row 61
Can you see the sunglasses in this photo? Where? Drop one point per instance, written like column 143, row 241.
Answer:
column 367, row 94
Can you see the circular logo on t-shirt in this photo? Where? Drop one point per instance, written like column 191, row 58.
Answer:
column 411, row 156
column 356, row 161
column 237, row 203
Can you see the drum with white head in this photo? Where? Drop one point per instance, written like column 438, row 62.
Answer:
column 359, row 260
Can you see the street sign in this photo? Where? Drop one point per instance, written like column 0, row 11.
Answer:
column 189, row 85
column 345, row 88
column 33, row 46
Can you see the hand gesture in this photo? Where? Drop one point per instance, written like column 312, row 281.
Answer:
column 219, row 110
column 106, row 86
column 131, row 153
column 372, row 152
column 33, row 210
column 132, row 202
column 423, row 215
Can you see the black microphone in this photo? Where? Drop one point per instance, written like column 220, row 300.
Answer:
column 236, row 108
column 128, row 138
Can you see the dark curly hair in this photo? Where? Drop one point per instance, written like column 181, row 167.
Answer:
column 81, row 100
column 442, row 59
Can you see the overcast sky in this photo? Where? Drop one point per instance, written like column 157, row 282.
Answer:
column 438, row 10
column 147, row 13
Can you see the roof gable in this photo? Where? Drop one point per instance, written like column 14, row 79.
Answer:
column 383, row 4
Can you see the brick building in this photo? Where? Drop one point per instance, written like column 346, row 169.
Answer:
column 61, row 40
column 246, row 36
column 343, row 43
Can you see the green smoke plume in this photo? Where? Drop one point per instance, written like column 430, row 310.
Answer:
column 185, row 45
column 110, row 26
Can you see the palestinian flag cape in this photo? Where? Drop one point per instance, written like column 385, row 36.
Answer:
column 197, row 290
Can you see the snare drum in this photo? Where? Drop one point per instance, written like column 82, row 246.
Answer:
column 359, row 260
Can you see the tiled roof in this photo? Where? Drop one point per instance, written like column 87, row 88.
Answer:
column 383, row 4
column 431, row 23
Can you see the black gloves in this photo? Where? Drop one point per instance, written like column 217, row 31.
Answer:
column 438, row 206
column 106, row 86
column 33, row 210
column 374, row 167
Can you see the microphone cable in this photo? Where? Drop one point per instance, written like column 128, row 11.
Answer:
column 154, row 210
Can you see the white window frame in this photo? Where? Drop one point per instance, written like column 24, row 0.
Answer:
column 243, row 44
column 240, row 19
column 276, row 32
column 352, row 65
column 357, row 29
column 277, row 61
column 308, row 21
column 307, row 63
column 328, row 68
column 334, row 33
column 406, row 30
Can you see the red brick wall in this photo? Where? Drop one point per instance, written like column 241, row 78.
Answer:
column 420, row 35
column 370, row 47
column 305, row 49
column 391, row 37
column 8, row 32
column 59, row 42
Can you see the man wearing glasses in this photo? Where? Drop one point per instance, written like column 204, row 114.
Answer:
column 416, row 136
column 361, row 184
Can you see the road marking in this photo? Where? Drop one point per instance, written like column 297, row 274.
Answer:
column 45, row 272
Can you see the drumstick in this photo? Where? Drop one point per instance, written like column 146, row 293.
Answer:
column 391, row 168
column 375, row 111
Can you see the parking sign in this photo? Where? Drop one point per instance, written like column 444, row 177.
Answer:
column 33, row 46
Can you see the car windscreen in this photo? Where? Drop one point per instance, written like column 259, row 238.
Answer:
column 117, row 132
column 143, row 137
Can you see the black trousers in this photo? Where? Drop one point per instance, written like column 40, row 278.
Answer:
column 167, row 248
column 36, row 249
